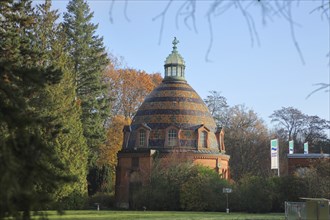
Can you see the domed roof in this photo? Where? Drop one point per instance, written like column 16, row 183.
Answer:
column 174, row 104
column 174, row 57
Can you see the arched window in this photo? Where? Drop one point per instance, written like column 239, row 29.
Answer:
column 142, row 138
column 172, row 137
column 203, row 139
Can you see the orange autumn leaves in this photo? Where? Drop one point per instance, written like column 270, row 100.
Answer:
column 108, row 152
column 127, row 90
column 129, row 87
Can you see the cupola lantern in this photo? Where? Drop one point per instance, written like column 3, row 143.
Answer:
column 174, row 65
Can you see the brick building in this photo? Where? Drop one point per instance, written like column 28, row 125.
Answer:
column 173, row 119
column 298, row 161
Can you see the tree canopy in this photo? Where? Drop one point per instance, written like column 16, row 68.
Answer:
column 292, row 124
column 30, row 166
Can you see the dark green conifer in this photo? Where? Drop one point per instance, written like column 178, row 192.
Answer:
column 89, row 61
column 58, row 104
column 30, row 168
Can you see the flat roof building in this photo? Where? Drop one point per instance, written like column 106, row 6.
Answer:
column 296, row 161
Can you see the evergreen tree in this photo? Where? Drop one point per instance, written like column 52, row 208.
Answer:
column 30, row 168
column 89, row 61
column 59, row 102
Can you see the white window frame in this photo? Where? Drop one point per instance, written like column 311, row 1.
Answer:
column 142, row 137
column 172, row 137
column 203, row 139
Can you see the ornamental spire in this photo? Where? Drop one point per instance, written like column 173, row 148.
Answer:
column 175, row 42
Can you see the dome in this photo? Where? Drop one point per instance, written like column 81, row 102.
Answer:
column 174, row 103
column 174, row 58
column 174, row 106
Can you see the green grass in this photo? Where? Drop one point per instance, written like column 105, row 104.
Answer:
column 160, row 215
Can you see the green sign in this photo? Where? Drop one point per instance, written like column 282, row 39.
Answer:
column 291, row 147
column 306, row 148
column 274, row 154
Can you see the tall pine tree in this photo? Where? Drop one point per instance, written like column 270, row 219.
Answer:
column 58, row 103
column 30, row 168
column 89, row 60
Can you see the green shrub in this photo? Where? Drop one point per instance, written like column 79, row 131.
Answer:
column 287, row 188
column 182, row 187
column 203, row 191
column 105, row 201
column 256, row 194
column 75, row 201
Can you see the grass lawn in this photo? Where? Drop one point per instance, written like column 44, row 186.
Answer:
column 158, row 215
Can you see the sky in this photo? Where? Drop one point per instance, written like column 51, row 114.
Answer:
column 264, row 77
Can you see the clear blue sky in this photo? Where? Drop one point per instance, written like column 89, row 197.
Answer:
column 264, row 78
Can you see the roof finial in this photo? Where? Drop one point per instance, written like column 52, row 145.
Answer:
column 175, row 42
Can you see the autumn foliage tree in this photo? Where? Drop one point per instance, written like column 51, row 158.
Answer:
column 108, row 152
column 129, row 87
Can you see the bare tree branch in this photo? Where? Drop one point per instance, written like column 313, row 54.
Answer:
column 211, row 39
column 162, row 16
column 180, row 13
column 293, row 35
column 224, row 8
column 250, row 23
column 211, row 11
column 266, row 11
column 125, row 11
column 285, row 11
column 324, row 8
column 190, row 9
column 322, row 86
column 110, row 11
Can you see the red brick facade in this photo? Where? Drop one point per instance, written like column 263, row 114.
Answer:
column 133, row 169
column 296, row 161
